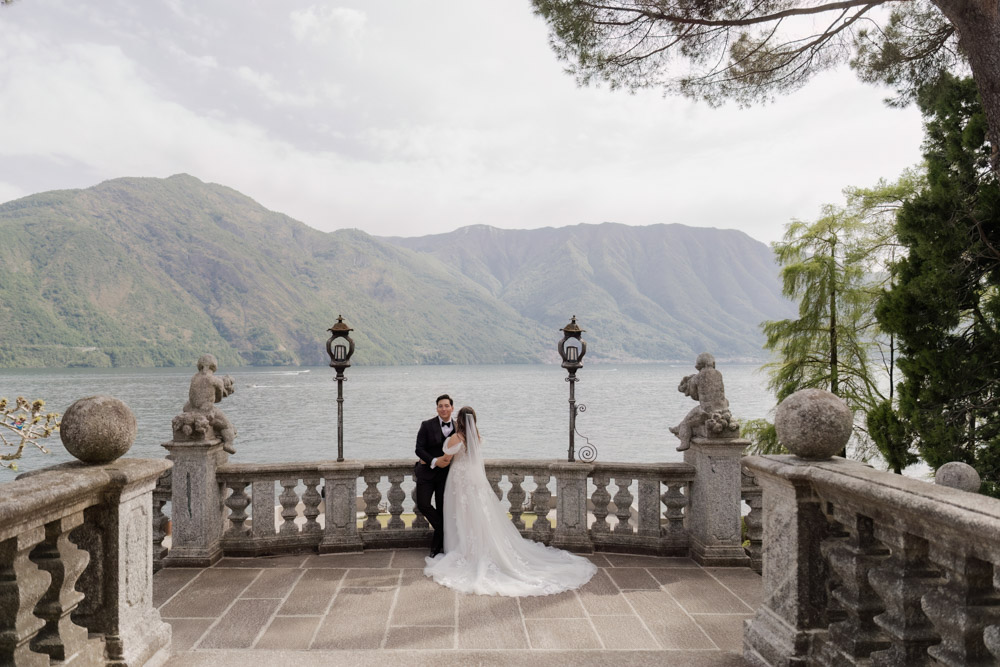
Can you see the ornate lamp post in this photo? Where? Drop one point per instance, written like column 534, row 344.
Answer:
column 571, row 349
column 340, row 347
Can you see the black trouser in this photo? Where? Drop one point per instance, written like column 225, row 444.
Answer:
column 430, row 483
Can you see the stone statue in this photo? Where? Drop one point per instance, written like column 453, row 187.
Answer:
column 711, row 417
column 201, row 420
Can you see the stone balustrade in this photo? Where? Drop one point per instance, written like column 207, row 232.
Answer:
column 247, row 509
column 75, row 566
column 863, row 567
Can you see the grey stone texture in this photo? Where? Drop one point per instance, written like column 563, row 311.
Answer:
column 200, row 419
column 415, row 621
column 713, row 515
column 870, row 568
column 813, row 424
column 98, row 429
column 958, row 475
column 76, row 566
column 711, row 418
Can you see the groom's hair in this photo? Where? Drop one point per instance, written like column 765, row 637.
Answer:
column 443, row 397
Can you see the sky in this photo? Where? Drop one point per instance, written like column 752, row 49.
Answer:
column 412, row 117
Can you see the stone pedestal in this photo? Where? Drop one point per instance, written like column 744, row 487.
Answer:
column 196, row 503
column 340, row 484
column 713, row 517
column 795, row 574
column 571, row 507
column 134, row 632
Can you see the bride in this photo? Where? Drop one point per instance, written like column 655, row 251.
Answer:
column 483, row 552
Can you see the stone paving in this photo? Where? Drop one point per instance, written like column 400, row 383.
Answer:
column 377, row 608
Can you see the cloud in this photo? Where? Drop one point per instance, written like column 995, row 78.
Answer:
column 328, row 26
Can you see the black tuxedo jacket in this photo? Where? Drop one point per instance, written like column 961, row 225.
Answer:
column 430, row 445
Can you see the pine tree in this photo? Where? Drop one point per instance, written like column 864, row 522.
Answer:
column 944, row 305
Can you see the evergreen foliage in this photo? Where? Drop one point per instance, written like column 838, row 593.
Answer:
column 835, row 268
column 945, row 305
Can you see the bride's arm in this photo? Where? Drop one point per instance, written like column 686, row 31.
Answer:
column 453, row 445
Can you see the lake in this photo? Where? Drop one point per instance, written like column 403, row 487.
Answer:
column 290, row 414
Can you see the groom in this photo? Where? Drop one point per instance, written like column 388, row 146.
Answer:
column 431, row 471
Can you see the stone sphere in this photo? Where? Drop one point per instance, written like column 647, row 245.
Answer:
column 98, row 429
column 958, row 475
column 813, row 424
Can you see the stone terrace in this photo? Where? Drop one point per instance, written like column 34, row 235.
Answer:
column 377, row 608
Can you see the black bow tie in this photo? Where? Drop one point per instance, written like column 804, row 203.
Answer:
column 445, row 424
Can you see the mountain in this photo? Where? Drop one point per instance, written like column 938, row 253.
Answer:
column 155, row 272
column 663, row 292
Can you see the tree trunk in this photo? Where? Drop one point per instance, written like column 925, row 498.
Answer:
column 978, row 26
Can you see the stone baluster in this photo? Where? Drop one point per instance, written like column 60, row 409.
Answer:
column 962, row 607
column 419, row 520
column 372, row 498
column 396, row 496
column 311, row 500
column 856, row 636
column 341, row 483
column 516, row 497
column 600, row 498
column 494, row 477
column 751, row 493
column 571, row 506
column 160, row 523
column 540, row 499
column 62, row 639
column 237, row 503
column 991, row 637
column 262, row 503
column 901, row 581
column 675, row 500
column 649, row 507
column 623, row 506
column 22, row 585
column 289, row 500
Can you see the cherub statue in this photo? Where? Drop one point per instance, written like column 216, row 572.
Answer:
column 711, row 415
column 200, row 416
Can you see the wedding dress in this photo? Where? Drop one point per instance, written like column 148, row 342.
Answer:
column 483, row 551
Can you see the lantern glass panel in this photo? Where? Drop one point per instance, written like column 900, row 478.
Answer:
column 339, row 352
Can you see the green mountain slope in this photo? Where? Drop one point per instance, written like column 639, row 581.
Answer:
column 154, row 272
column 143, row 272
column 657, row 292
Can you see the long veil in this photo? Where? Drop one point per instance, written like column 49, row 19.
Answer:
column 484, row 552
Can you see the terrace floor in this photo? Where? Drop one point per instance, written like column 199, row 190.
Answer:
column 377, row 608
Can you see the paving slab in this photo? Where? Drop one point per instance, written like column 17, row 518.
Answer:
column 698, row 592
column 487, row 622
column 366, row 559
column 623, row 632
column 423, row 602
column 378, row 609
column 289, row 632
column 275, row 583
column 562, row 633
column 726, row 630
column 240, row 625
column 209, row 594
column 357, row 619
column 667, row 621
column 169, row 580
column 312, row 593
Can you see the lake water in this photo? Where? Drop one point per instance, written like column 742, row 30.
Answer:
column 290, row 414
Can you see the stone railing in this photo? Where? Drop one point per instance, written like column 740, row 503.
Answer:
column 753, row 520
column 862, row 567
column 221, row 508
column 75, row 571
